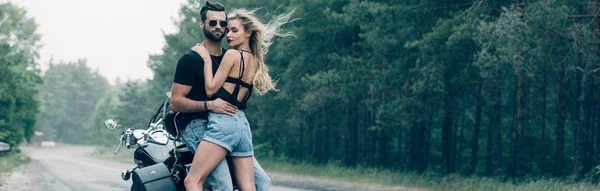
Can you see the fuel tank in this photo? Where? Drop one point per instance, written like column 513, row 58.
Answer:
column 152, row 153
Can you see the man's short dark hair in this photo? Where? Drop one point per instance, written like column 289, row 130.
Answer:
column 211, row 6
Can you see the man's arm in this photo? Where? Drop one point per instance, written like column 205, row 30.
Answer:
column 180, row 103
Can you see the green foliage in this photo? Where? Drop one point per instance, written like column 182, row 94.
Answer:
column 136, row 106
column 11, row 160
column 19, row 74
column 394, row 84
column 405, row 86
column 70, row 94
column 365, row 177
column 105, row 109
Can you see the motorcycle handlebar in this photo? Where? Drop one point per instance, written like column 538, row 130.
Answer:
column 128, row 141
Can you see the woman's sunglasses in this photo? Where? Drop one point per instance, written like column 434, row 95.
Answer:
column 213, row 23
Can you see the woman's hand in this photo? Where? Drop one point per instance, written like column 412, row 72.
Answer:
column 201, row 51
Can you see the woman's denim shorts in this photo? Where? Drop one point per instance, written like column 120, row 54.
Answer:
column 231, row 132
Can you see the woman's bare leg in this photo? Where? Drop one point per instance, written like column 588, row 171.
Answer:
column 244, row 172
column 207, row 157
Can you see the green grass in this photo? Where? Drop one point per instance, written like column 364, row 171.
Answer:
column 11, row 160
column 372, row 176
column 106, row 153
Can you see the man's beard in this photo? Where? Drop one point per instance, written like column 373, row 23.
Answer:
column 212, row 36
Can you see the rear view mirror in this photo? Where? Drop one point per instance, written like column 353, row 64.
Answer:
column 110, row 124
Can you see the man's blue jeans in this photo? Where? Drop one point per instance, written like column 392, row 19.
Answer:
column 220, row 178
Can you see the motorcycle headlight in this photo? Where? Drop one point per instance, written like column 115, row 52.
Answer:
column 160, row 137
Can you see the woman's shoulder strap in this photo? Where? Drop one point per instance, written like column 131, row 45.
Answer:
column 242, row 67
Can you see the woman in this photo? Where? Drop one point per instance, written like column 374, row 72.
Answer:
column 241, row 70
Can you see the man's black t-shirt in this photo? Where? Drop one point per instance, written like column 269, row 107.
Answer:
column 190, row 72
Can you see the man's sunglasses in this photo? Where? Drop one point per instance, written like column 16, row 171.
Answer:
column 213, row 23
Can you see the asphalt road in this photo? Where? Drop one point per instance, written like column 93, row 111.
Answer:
column 69, row 168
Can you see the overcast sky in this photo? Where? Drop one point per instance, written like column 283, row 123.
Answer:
column 115, row 36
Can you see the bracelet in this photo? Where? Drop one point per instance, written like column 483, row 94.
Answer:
column 206, row 108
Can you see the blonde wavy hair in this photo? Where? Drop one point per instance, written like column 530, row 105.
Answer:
column 261, row 38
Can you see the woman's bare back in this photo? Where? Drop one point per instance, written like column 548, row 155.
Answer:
column 248, row 75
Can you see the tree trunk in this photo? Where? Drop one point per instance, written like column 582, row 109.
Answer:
column 448, row 142
column 309, row 138
column 582, row 163
column 384, row 148
column 561, row 111
column 362, row 137
column 448, row 132
column 516, row 154
column 494, row 153
column 418, row 140
column 593, row 132
column 476, row 127
column 411, row 149
column 544, row 145
column 597, row 127
column 461, row 144
column 325, row 137
column 352, row 140
column 374, row 137
column 426, row 134
column 315, row 140
column 301, row 146
column 415, row 141
column 590, row 137
column 400, row 158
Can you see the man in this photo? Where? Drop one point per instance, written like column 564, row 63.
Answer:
column 188, row 95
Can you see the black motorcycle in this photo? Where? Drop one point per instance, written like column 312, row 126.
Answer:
column 162, row 159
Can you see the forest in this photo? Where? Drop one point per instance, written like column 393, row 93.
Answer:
column 503, row 88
